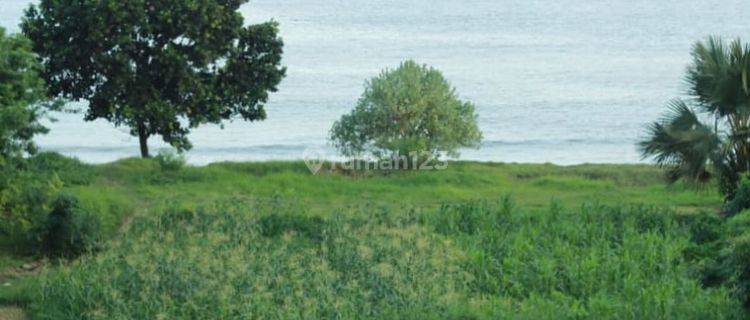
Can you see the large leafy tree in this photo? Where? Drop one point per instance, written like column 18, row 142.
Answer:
column 407, row 111
column 708, row 135
column 159, row 67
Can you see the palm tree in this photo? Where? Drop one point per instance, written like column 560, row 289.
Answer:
column 719, row 82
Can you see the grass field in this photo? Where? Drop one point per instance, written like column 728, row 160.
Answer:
column 142, row 185
column 475, row 241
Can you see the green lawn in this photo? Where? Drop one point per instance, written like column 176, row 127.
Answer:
column 475, row 241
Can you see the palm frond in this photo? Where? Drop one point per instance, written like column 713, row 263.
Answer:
column 681, row 143
column 718, row 76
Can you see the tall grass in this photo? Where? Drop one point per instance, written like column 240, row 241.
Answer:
column 466, row 260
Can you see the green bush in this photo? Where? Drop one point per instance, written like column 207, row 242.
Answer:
column 733, row 257
column 275, row 224
column 25, row 199
column 721, row 256
column 411, row 111
column 170, row 168
column 740, row 262
column 741, row 199
column 706, row 253
column 69, row 230
column 170, row 161
column 704, row 227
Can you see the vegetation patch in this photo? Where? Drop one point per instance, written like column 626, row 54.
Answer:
column 217, row 263
column 466, row 260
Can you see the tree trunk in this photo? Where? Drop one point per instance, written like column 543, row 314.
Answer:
column 143, row 139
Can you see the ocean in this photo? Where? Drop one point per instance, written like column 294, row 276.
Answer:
column 559, row 81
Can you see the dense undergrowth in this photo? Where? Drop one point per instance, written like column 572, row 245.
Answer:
column 466, row 260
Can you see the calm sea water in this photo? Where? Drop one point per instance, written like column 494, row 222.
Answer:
column 561, row 81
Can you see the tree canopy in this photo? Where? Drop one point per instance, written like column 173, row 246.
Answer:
column 411, row 109
column 22, row 97
column 159, row 67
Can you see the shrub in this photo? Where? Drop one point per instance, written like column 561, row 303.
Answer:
column 68, row 230
column 170, row 161
column 704, row 227
column 25, row 198
column 740, row 261
column 275, row 224
column 411, row 111
column 741, row 200
column 723, row 258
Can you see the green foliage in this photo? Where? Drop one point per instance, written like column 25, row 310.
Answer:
column 165, row 61
column 275, row 225
column 20, row 292
column 24, row 194
column 22, row 97
column 723, row 259
column 732, row 259
column 409, row 111
column 610, row 184
column 218, row 263
column 596, row 262
column 740, row 262
column 25, row 199
column 170, row 161
column 68, row 230
column 738, row 224
column 719, row 88
column 741, row 200
column 471, row 217
column 71, row 171
column 475, row 260
column 125, row 188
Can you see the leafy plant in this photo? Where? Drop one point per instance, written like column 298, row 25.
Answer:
column 697, row 151
column 25, row 199
column 411, row 111
column 740, row 260
column 741, row 199
column 170, row 161
column 69, row 230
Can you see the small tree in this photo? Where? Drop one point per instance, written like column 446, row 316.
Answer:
column 410, row 110
column 157, row 67
column 698, row 151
